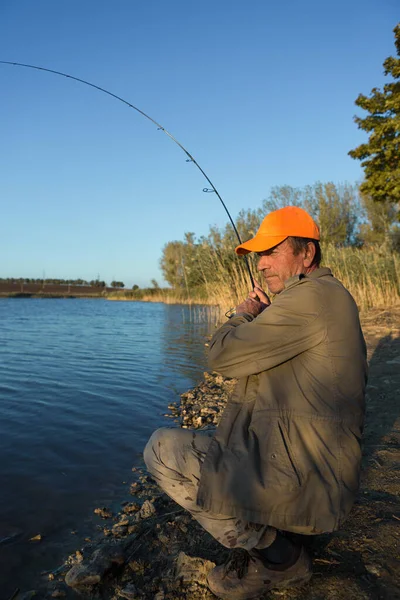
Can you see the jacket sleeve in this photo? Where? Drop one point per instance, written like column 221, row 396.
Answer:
column 292, row 324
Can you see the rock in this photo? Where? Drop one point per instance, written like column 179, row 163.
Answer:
column 137, row 567
column 129, row 592
column 104, row 513
column 147, row 510
column 92, row 573
column 58, row 594
column 81, row 575
column 164, row 539
column 192, row 569
column 27, row 595
column 120, row 528
column 132, row 529
column 159, row 596
column 373, row 569
column 119, row 532
column 130, row 508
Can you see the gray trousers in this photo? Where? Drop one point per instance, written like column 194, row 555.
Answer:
column 175, row 457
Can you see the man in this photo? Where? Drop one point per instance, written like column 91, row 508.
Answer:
column 285, row 457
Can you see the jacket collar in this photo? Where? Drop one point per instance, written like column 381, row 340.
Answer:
column 320, row 272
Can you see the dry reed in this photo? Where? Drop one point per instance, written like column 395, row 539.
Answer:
column 371, row 275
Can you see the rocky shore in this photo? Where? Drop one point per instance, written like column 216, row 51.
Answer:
column 153, row 550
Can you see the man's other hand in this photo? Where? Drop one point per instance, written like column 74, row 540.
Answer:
column 255, row 303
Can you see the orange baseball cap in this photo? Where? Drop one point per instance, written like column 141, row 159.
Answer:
column 277, row 226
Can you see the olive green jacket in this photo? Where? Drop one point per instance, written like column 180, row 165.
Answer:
column 287, row 450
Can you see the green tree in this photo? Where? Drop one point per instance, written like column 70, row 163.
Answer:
column 380, row 225
column 171, row 263
column 380, row 156
column 337, row 210
column 335, row 207
column 135, row 287
column 179, row 262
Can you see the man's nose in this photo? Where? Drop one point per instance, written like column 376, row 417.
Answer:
column 262, row 263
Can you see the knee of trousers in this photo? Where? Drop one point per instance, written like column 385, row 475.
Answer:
column 161, row 438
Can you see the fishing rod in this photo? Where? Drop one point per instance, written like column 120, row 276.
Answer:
column 159, row 127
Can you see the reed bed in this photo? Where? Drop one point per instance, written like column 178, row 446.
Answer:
column 371, row 275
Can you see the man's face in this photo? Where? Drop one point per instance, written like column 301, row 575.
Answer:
column 279, row 264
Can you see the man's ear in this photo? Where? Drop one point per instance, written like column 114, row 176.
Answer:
column 309, row 254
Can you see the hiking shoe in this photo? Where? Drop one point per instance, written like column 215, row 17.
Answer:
column 246, row 575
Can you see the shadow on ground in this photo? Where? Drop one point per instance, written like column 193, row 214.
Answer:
column 363, row 560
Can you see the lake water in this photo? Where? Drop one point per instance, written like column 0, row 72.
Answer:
column 83, row 383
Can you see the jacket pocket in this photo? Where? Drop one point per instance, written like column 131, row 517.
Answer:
column 290, row 453
column 272, row 452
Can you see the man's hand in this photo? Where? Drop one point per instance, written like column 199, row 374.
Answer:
column 255, row 303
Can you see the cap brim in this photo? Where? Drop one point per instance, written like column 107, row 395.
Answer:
column 259, row 243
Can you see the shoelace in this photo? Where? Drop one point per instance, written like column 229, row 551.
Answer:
column 238, row 561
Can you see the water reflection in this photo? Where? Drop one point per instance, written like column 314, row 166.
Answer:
column 188, row 334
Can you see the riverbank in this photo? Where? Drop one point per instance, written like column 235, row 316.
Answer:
column 8, row 290
column 48, row 295
column 151, row 549
column 373, row 287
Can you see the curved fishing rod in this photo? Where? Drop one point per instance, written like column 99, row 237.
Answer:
column 159, row 127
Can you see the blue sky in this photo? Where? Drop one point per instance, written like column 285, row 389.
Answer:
column 261, row 93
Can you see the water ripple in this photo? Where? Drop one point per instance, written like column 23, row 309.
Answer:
column 82, row 386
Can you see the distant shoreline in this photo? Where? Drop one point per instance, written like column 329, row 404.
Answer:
column 196, row 305
column 49, row 295
column 56, row 291
column 18, row 289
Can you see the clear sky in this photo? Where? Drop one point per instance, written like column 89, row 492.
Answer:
column 260, row 92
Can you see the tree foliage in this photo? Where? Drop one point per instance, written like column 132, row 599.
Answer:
column 195, row 263
column 97, row 283
column 335, row 207
column 380, row 156
column 380, row 224
column 54, row 281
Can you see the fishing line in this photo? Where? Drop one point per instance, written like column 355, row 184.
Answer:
column 159, row 127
